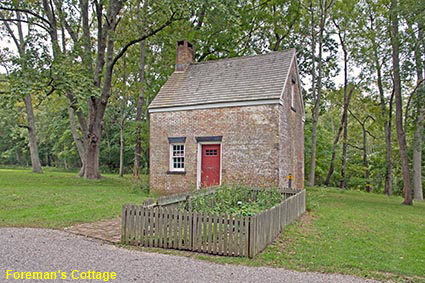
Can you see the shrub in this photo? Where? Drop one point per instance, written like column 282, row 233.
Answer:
column 237, row 200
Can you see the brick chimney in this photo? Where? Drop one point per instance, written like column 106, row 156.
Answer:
column 185, row 53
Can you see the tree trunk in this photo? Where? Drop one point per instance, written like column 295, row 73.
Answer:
column 312, row 175
column 78, row 140
column 104, row 69
column 365, row 161
column 387, row 130
column 35, row 159
column 121, row 170
column 388, row 189
column 407, row 190
column 417, row 157
column 344, row 117
column 140, row 102
column 20, row 44
column 389, row 159
column 123, row 119
column 419, row 123
column 342, row 127
column 92, row 145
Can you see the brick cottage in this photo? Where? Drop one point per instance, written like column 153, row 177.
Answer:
column 238, row 120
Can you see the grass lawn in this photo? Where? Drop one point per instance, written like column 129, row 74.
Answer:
column 349, row 232
column 355, row 233
column 59, row 199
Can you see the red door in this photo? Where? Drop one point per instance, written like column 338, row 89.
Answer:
column 210, row 165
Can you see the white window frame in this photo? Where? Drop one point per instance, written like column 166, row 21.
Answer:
column 171, row 161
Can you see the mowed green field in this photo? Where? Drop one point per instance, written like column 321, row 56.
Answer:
column 60, row 199
column 349, row 232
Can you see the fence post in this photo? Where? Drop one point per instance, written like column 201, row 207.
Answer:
column 252, row 236
column 124, row 224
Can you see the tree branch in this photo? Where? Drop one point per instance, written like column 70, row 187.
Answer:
column 151, row 33
column 64, row 21
column 406, row 114
column 24, row 126
column 27, row 12
column 355, row 146
column 25, row 21
column 9, row 29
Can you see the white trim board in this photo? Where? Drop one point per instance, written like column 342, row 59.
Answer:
column 217, row 105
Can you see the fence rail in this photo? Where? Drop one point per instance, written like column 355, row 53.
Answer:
column 223, row 234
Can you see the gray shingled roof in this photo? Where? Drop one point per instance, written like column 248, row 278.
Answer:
column 247, row 78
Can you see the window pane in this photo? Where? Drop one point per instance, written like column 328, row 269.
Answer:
column 177, row 156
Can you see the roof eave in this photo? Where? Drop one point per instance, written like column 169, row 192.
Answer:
column 216, row 105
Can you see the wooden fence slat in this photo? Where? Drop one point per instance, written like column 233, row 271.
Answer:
column 225, row 234
column 167, row 221
column 194, row 245
column 210, row 233
column 219, row 236
column 186, row 223
column 142, row 225
column 183, row 230
column 123, row 224
column 136, row 225
column 246, row 243
column 214, row 235
column 165, row 227
column 189, row 244
column 240, row 235
column 173, row 243
column 132, row 223
column 199, row 232
column 179, row 230
column 158, row 232
column 156, row 227
column 204, row 232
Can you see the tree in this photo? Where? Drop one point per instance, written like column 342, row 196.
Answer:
column 344, row 13
column 107, row 16
column 375, row 54
column 401, row 136
column 21, row 41
column 323, row 14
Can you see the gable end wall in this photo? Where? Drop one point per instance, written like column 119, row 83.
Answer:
column 291, row 132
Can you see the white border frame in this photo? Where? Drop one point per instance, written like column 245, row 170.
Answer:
column 199, row 161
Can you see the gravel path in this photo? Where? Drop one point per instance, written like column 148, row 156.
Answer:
column 33, row 250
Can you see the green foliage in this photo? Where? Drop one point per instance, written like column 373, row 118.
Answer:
column 236, row 200
column 218, row 29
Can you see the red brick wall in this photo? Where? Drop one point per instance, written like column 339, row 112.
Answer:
column 250, row 145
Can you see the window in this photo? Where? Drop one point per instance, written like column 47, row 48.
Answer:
column 176, row 157
column 293, row 96
column 211, row 152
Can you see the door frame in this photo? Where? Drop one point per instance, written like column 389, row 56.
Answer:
column 199, row 162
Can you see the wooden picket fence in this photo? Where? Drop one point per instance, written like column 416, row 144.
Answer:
column 172, row 228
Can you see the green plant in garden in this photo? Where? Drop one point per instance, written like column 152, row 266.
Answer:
column 236, row 200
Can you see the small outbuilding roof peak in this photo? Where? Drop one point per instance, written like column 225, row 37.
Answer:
column 240, row 79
